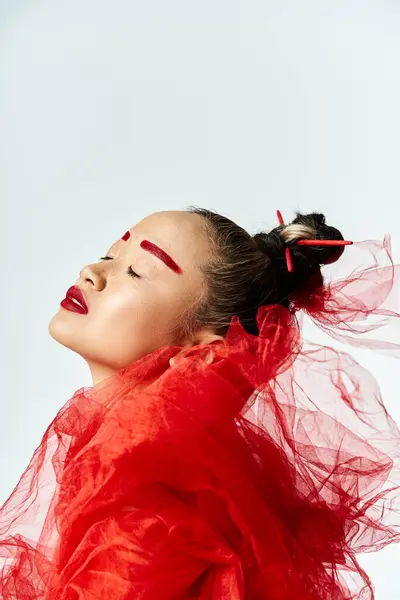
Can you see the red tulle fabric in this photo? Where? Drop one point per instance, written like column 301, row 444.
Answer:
column 257, row 476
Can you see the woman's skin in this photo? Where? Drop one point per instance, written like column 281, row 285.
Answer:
column 129, row 316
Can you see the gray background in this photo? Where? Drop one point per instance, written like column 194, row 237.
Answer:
column 112, row 110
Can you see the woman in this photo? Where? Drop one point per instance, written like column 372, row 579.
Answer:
column 217, row 455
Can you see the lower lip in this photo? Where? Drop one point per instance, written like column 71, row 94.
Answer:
column 73, row 307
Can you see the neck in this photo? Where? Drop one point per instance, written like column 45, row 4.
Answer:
column 99, row 372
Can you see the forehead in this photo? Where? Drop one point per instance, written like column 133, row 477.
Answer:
column 179, row 233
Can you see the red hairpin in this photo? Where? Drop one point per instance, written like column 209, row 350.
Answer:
column 288, row 256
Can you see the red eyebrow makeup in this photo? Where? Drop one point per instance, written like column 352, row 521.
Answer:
column 161, row 254
column 126, row 236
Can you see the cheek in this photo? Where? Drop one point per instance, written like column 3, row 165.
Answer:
column 119, row 311
column 144, row 312
column 138, row 312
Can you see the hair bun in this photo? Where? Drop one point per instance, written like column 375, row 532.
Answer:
column 271, row 244
column 315, row 228
column 311, row 226
column 307, row 260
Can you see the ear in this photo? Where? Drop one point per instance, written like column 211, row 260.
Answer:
column 202, row 336
column 205, row 335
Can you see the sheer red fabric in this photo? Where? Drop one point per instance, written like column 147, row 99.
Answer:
column 258, row 476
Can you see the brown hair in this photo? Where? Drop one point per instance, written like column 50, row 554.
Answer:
column 246, row 272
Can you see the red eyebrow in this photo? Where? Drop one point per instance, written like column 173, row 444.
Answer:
column 161, row 254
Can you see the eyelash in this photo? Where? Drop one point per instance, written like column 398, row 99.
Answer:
column 130, row 271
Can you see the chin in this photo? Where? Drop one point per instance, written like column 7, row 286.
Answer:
column 61, row 331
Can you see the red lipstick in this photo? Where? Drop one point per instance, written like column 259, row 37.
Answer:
column 75, row 301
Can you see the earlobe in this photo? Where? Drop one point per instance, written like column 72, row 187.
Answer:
column 202, row 338
column 206, row 336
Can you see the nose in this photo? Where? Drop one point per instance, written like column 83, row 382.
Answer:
column 92, row 276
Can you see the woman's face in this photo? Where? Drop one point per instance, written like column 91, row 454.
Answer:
column 132, row 315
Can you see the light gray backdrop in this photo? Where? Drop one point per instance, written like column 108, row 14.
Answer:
column 112, row 110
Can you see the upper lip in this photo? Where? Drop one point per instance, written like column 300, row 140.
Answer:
column 76, row 293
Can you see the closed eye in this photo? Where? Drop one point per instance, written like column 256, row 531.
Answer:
column 129, row 271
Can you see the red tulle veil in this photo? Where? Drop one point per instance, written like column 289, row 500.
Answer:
column 257, row 476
